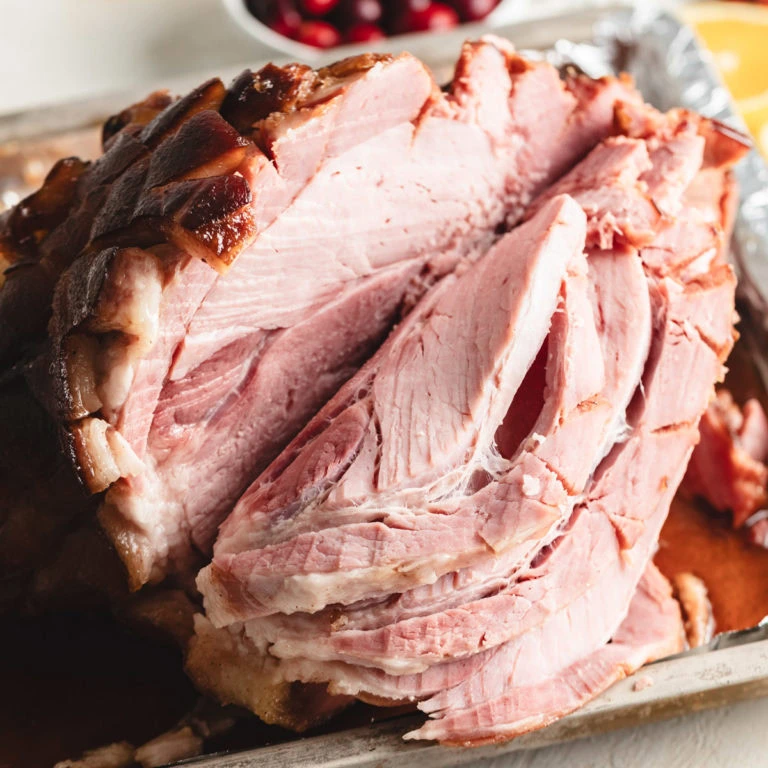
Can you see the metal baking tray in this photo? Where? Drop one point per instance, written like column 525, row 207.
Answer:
column 670, row 69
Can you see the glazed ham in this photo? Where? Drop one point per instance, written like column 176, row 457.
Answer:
column 222, row 236
column 406, row 377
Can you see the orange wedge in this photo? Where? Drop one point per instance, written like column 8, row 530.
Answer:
column 737, row 35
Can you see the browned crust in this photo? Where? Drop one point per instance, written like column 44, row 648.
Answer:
column 168, row 174
column 138, row 114
column 723, row 146
column 217, row 665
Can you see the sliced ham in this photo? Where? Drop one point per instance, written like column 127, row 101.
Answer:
column 651, row 630
column 471, row 642
column 570, row 439
column 401, row 456
column 221, row 235
column 617, row 527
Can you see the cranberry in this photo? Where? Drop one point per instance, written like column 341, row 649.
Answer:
column 283, row 18
column 474, row 10
column 434, row 17
column 360, row 12
column 395, row 10
column 364, row 33
column 319, row 34
column 318, row 7
column 403, row 6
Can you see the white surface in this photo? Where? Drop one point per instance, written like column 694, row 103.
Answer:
column 731, row 737
column 55, row 50
column 58, row 50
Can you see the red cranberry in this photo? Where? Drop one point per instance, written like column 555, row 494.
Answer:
column 394, row 10
column 319, row 34
column 283, row 18
column 318, row 7
column 474, row 10
column 360, row 12
column 404, row 6
column 364, row 33
column 436, row 16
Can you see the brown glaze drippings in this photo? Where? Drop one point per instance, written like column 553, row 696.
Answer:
column 702, row 542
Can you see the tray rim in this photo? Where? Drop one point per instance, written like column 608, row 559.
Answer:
column 687, row 683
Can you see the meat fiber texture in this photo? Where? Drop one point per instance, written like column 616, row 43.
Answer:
column 468, row 524
column 183, row 305
column 728, row 467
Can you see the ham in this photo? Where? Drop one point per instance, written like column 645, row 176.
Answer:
column 728, row 466
column 402, row 379
column 222, row 234
column 324, row 569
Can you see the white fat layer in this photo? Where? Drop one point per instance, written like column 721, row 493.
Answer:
column 137, row 318
column 531, row 486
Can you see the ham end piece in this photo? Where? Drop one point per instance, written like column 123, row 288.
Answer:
column 728, row 466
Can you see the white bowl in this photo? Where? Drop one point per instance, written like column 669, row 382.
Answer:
column 261, row 32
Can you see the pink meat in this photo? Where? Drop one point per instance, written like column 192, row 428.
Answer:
column 652, row 629
column 570, row 437
column 475, row 642
column 492, row 480
column 422, row 447
column 577, row 405
column 319, row 198
column 728, row 467
column 568, row 585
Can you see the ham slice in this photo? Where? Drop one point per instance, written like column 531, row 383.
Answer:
column 651, row 630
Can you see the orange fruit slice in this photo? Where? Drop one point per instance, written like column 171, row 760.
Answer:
column 737, row 35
